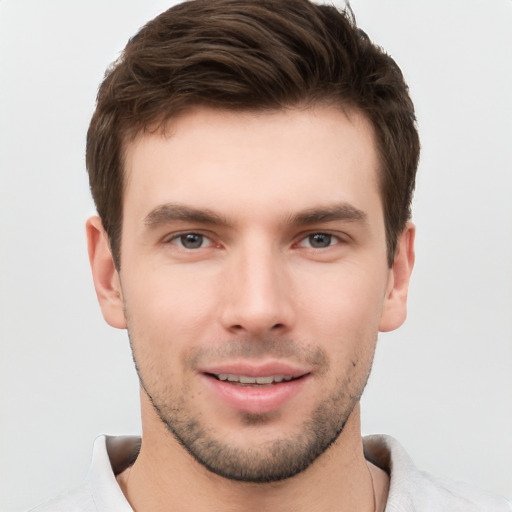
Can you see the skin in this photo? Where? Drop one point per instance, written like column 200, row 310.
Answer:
column 290, row 271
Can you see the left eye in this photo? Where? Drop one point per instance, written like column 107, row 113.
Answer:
column 319, row 240
column 191, row 240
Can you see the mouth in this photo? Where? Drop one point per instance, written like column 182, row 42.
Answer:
column 256, row 389
column 259, row 381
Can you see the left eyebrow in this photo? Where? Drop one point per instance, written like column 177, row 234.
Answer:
column 342, row 211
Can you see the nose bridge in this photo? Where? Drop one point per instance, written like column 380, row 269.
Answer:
column 258, row 294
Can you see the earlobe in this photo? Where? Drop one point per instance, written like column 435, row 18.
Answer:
column 105, row 276
column 395, row 305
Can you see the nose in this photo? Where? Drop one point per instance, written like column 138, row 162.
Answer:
column 258, row 292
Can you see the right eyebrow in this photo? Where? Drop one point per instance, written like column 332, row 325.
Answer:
column 171, row 212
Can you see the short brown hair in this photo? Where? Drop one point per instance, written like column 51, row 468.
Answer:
column 251, row 55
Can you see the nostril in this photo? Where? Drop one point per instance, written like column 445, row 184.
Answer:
column 277, row 326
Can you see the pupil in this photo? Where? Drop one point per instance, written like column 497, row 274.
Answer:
column 192, row 241
column 319, row 240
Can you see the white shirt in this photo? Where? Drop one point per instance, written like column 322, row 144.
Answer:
column 411, row 490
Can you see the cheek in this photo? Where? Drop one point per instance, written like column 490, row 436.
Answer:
column 342, row 298
column 169, row 296
column 343, row 317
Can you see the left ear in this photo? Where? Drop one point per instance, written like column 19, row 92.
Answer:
column 394, row 311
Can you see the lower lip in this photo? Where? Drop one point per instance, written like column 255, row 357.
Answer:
column 256, row 400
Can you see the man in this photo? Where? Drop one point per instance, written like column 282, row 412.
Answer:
column 252, row 165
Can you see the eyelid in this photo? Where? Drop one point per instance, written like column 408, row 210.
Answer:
column 172, row 237
column 339, row 237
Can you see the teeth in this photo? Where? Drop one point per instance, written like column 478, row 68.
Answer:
column 263, row 380
column 243, row 379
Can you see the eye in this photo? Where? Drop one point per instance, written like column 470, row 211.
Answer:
column 319, row 240
column 191, row 241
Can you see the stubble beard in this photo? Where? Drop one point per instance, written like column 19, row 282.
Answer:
column 271, row 461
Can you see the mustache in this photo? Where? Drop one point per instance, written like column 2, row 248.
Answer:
column 258, row 349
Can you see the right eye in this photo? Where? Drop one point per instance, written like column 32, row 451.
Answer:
column 191, row 241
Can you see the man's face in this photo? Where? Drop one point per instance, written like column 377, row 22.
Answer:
column 254, row 281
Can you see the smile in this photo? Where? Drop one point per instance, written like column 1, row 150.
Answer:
column 244, row 379
column 255, row 393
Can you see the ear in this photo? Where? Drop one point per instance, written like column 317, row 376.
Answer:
column 104, row 274
column 395, row 305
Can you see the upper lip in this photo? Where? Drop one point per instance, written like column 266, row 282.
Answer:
column 255, row 369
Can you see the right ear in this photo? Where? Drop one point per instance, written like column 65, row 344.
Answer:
column 104, row 274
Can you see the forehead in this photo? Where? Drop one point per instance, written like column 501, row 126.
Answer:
column 250, row 161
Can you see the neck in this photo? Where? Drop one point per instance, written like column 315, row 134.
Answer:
column 165, row 477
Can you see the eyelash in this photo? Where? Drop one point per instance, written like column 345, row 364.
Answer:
column 333, row 239
column 178, row 238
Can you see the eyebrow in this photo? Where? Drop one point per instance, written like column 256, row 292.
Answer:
column 342, row 211
column 176, row 212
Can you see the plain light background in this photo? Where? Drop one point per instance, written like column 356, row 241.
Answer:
column 442, row 384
